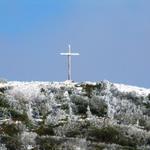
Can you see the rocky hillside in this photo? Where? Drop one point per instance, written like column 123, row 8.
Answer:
column 74, row 116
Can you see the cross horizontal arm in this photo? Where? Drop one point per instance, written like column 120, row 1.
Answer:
column 70, row 54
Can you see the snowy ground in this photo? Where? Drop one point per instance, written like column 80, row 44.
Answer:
column 34, row 86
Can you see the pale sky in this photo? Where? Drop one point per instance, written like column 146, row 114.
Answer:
column 112, row 37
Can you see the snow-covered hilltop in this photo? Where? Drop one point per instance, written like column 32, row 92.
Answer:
column 68, row 115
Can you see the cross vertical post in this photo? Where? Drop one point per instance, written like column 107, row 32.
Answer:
column 69, row 55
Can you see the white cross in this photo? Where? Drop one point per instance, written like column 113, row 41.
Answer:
column 69, row 55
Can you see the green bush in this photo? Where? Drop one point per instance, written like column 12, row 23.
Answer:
column 106, row 134
column 9, row 129
column 142, row 122
column 73, row 133
column 80, row 105
column 79, row 129
column 65, row 106
column 48, row 143
column 3, row 101
column 89, row 88
column 11, row 142
column 147, row 105
column 145, row 124
column 126, row 141
column 110, row 135
column 45, row 130
column 148, row 96
column 97, row 146
column 98, row 107
column 16, row 116
column 3, row 89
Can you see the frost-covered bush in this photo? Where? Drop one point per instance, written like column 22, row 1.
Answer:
column 148, row 96
column 55, row 116
column 106, row 134
column 4, row 101
column 110, row 134
column 76, row 132
column 11, row 142
column 73, row 128
column 127, row 112
column 2, row 80
column 28, row 139
column 45, row 130
column 4, row 107
column 17, row 116
column 132, row 96
column 9, row 129
column 4, row 113
column 48, row 143
column 145, row 123
column 80, row 104
column 91, row 89
column 2, row 147
column 98, row 106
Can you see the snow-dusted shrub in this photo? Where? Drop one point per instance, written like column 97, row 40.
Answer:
column 59, row 94
column 11, row 142
column 2, row 90
column 110, row 134
column 55, row 116
column 17, row 116
column 9, row 129
column 48, row 143
column 115, row 92
column 80, row 104
column 2, row 80
column 76, row 129
column 4, row 101
column 127, row 112
column 133, row 97
column 147, row 105
column 28, row 139
column 4, row 107
column 147, row 126
column 75, row 132
column 19, row 96
column 65, row 106
column 125, row 119
column 45, row 130
column 4, row 113
column 98, row 106
column 2, row 147
column 91, row 89
column 148, row 96
column 106, row 134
